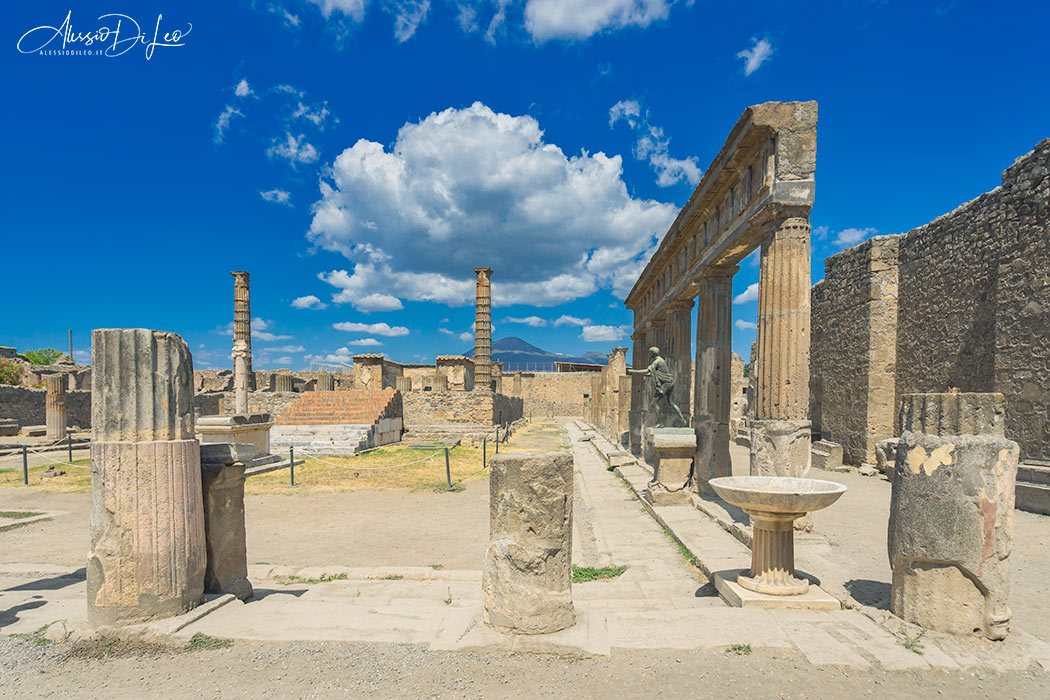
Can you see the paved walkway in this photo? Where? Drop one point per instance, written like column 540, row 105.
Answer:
column 661, row 602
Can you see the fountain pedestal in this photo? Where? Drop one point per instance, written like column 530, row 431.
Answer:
column 673, row 451
column 774, row 503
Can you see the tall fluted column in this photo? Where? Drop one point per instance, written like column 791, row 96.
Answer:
column 780, row 434
column 147, row 556
column 242, row 342
column 483, row 329
column 714, row 381
column 636, row 416
column 679, row 353
column 56, row 406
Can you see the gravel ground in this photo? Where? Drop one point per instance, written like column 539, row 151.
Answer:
column 323, row 670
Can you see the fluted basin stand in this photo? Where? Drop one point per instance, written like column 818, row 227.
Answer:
column 774, row 502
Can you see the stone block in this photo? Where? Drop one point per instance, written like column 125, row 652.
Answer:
column 827, row 455
column 951, row 531
column 527, row 577
column 956, row 413
column 780, row 448
column 223, row 494
column 886, row 455
column 673, row 452
column 226, row 453
column 147, row 555
column 9, row 426
column 251, row 429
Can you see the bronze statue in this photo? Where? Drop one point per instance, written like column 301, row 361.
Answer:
column 663, row 383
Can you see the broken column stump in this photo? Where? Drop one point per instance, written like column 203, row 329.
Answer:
column 55, row 406
column 527, row 579
column 951, row 514
column 147, row 553
column 222, row 483
column 284, row 382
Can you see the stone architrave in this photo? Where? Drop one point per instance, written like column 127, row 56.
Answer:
column 283, row 382
column 527, row 578
column 673, row 450
column 951, row 515
column 483, row 329
column 222, row 484
column 56, row 406
column 147, row 555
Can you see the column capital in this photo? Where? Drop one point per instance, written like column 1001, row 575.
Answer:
column 716, row 271
column 487, row 271
column 680, row 305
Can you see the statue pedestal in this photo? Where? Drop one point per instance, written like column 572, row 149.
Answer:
column 252, row 429
column 673, row 451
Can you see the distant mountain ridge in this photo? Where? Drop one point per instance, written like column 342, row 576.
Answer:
column 519, row 355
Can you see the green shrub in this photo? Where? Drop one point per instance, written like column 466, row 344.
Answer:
column 10, row 372
column 43, row 356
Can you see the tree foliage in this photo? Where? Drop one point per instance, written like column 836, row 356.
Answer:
column 43, row 356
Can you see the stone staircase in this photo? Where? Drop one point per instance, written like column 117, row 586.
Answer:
column 1033, row 487
column 339, row 422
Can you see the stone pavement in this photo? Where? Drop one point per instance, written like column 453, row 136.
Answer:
column 660, row 602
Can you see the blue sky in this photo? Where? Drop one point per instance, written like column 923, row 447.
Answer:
column 359, row 157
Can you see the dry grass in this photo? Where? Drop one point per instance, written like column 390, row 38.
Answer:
column 75, row 479
column 356, row 473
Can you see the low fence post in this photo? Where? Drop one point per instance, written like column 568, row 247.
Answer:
column 25, row 466
column 484, row 451
column 69, row 443
column 448, row 471
column 291, row 466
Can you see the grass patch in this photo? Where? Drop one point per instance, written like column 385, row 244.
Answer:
column 686, row 555
column 112, row 647
column 205, row 642
column 310, row 581
column 435, row 567
column 19, row 514
column 912, row 644
column 739, row 649
column 582, row 574
column 36, row 637
column 75, row 479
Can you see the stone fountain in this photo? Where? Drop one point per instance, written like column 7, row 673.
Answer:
column 774, row 502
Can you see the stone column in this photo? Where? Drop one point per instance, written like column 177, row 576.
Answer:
column 284, row 382
column 497, row 376
column 951, row 514
column 595, row 414
column 516, row 384
column 714, row 377
column 147, row 554
column 222, row 483
column 483, row 330
column 636, row 417
column 617, row 370
column 780, row 433
column 325, row 382
column 242, row 342
column 679, row 353
column 56, row 406
column 527, row 579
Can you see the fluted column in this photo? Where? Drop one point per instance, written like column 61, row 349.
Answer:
column 636, row 415
column 679, row 353
column 780, row 433
column 147, row 556
column 56, row 406
column 483, row 329
column 242, row 342
column 714, row 381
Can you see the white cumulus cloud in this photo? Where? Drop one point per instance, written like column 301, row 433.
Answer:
column 308, row 302
column 579, row 19
column 597, row 334
column 755, row 56
column 531, row 321
column 376, row 328
column 277, row 196
column 566, row 320
column 368, row 342
column 285, row 348
column 653, row 146
column 294, row 149
column 242, row 89
column 412, row 217
column 852, row 236
column 743, row 325
column 749, row 294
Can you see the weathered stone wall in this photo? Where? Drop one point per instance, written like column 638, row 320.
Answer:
column 27, row 406
column 973, row 314
column 552, row 393
column 427, row 408
column 852, row 357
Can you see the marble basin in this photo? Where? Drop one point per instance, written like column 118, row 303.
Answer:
column 777, row 494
